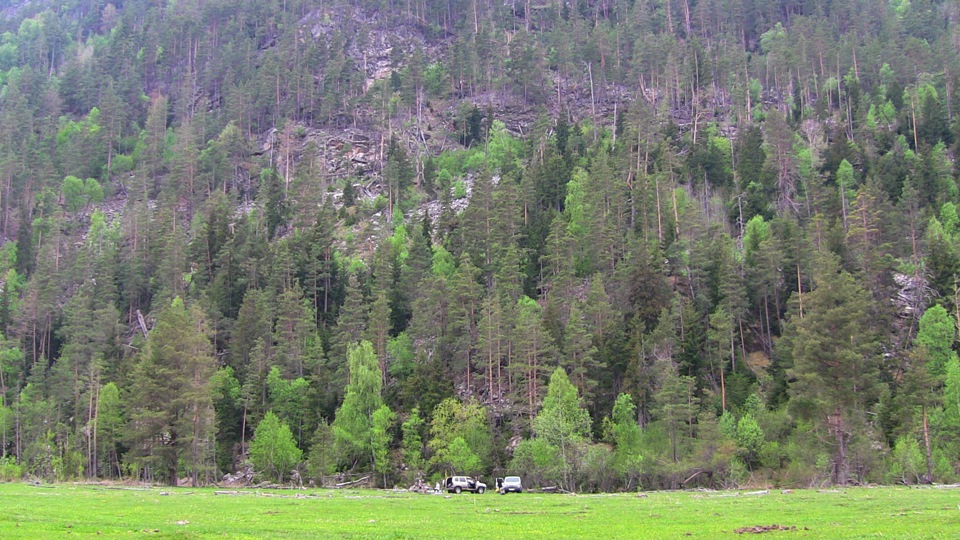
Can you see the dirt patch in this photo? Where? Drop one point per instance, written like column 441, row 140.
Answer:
column 757, row 529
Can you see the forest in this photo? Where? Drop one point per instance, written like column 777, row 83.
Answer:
column 602, row 244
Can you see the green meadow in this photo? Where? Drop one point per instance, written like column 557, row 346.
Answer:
column 67, row 511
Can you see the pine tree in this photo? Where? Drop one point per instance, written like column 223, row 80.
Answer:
column 533, row 351
column 89, row 333
column 926, row 370
column 352, row 321
column 492, row 342
column 677, row 409
column 171, row 403
column 835, row 358
column 412, row 442
column 579, row 355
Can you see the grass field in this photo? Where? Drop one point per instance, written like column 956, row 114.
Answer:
column 68, row 511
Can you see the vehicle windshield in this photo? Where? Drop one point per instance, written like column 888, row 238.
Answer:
column 512, row 479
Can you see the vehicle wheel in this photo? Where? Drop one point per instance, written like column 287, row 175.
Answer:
column 481, row 490
column 456, row 490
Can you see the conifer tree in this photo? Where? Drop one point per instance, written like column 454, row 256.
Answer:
column 835, row 358
column 171, row 418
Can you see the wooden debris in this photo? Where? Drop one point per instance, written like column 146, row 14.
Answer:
column 142, row 323
column 556, row 489
column 352, row 482
column 764, row 528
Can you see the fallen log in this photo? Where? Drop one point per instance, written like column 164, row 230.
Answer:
column 142, row 323
column 352, row 482
column 555, row 489
column 692, row 476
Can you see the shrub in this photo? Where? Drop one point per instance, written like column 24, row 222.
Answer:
column 459, row 190
column 10, row 470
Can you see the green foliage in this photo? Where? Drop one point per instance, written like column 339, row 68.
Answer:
column 412, row 429
column 728, row 425
column 288, row 398
column 906, row 461
column 72, row 193
column 503, row 150
column 402, row 356
column 624, row 433
column 942, row 258
column 109, row 429
column 11, row 362
column 670, row 258
column 408, row 515
column 380, row 439
column 320, row 460
column 8, row 56
column 540, row 461
column 435, row 79
column 562, row 422
column 443, row 265
column 92, row 191
column 561, row 419
column 10, row 471
column 951, row 396
column 459, row 190
column 468, row 423
column 750, row 437
column 835, row 355
column 353, row 424
column 273, row 450
column 936, row 337
column 456, row 163
column 171, row 395
column 846, row 179
column 458, row 456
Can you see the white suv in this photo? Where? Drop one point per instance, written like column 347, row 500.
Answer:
column 456, row 484
column 510, row 484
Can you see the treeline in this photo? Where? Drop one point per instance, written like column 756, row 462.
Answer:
column 601, row 244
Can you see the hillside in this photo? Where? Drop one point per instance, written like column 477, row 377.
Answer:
column 604, row 242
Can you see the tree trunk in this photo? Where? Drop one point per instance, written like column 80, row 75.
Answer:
column 723, row 388
column 194, row 447
column 928, row 477
column 840, row 461
column 173, row 473
column 92, row 407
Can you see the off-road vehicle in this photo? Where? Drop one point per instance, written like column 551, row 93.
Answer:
column 510, row 484
column 456, row 484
